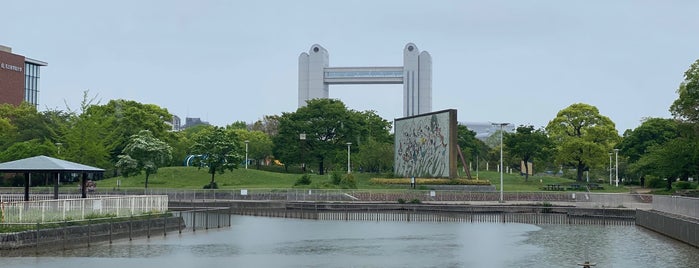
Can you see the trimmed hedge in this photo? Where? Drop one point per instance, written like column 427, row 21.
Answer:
column 430, row 181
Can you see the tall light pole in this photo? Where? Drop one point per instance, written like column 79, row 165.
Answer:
column 610, row 168
column 302, row 141
column 616, row 168
column 246, row 153
column 501, row 169
column 348, row 157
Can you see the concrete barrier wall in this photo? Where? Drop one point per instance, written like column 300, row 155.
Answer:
column 432, row 212
column 685, row 206
column 77, row 236
column 677, row 227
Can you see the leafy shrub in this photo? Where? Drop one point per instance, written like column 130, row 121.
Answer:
column 685, row 185
column 213, row 185
column 401, row 201
column 655, row 183
column 349, row 182
column 336, row 178
column 303, row 180
column 415, row 201
column 546, row 207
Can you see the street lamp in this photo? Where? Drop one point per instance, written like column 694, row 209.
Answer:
column 616, row 168
column 348, row 157
column 246, row 153
column 610, row 168
column 302, row 140
column 501, row 169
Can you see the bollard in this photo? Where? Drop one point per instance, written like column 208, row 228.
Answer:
column 130, row 228
column 111, row 220
column 65, row 225
column 89, row 222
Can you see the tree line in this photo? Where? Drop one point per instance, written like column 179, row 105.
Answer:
column 127, row 137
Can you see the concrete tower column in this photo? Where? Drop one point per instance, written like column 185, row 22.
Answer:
column 425, row 83
column 411, row 71
column 317, row 61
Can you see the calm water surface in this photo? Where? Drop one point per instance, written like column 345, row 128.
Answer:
column 276, row 242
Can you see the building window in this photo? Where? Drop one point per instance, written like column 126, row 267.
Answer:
column 31, row 83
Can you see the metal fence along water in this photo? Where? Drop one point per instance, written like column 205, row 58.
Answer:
column 82, row 208
column 584, row 199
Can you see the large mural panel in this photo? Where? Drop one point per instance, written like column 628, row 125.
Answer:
column 425, row 145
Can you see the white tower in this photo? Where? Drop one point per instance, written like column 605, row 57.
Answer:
column 416, row 76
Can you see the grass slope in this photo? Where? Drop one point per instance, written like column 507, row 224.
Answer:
column 193, row 178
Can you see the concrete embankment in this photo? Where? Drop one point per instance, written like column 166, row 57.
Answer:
column 65, row 237
column 684, row 229
column 541, row 214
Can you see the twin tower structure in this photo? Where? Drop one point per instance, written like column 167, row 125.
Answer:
column 315, row 75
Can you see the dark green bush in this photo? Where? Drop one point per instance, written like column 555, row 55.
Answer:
column 349, row 182
column 656, row 183
column 415, row 201
column 336, row 178
column 303, row 180
column 401, row 201
column 685, row 185
column 213, row 185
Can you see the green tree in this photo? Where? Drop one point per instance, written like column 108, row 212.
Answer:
column 373, row 127
column 219, row 149
column 259, row 144
column 144, row 153
column 471, row 147
column 124, row 118
column 85, row 137
column 653, row 131
column 674, row 159
column 527, row 144
column 374, row 156
column 582, row 137
column 238, row 125
column 7, row 131
column 686, row 107
column 25, row 149
column 269, row 124
column 327, row 124
column 27, row 124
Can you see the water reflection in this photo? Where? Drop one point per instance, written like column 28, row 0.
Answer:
column 274, row 242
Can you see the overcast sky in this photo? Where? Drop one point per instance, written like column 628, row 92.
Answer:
column 224, row 61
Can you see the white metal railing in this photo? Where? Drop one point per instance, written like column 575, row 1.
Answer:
column 586, row 199
column 7, row 198
column 680, row 205
column 81, row 208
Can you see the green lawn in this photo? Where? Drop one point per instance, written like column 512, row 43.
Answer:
column 193, row 178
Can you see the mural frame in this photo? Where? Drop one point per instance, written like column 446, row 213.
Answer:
column 425, row 145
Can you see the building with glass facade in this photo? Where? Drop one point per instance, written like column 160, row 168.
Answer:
column 19, row 78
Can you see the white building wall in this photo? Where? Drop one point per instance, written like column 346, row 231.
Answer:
column 410, row 79
column 318, row 61
column 425, row 83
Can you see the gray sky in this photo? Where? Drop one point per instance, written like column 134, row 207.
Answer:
column 499, row 61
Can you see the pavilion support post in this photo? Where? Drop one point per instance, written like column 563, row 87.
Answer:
column 56, row 179
column 83, row 192
column 26, row 186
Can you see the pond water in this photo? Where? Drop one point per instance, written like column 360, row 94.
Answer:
column 278, row 242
